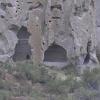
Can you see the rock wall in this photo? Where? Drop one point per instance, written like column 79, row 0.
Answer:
column 8, row 38
column 64, row 25
column 98, row 27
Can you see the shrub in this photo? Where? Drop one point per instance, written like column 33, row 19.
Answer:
column 5, row 95
column 24, row 89
column 91, row 79
column 86, row 94
column 29, row 71
column 63, row 87
column 2, row 84
column 8, row 67
column 70, row 70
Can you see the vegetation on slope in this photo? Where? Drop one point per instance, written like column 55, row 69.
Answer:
column 28, row 81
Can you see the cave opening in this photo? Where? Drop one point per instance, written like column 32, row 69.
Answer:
column 22, row 49
column 55, row 53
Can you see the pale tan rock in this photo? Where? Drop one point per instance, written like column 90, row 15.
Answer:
column 60, row 29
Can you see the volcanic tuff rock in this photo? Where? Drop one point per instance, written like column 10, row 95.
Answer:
column 98, row 27
column 56, row 31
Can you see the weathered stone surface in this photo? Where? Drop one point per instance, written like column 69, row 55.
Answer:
column 55, row 27
column 8, row 39
column 71, row 24
column 98, row 27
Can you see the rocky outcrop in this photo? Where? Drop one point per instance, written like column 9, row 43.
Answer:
column 8, row 38
column 98, row 27
column 61, row 31
column 70, row 24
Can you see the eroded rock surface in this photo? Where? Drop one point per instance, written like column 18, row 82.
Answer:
column 98, row 27
column 55, row 27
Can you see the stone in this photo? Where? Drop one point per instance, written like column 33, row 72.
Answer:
column 59, row 31
column 98, row 28
column 70, row 24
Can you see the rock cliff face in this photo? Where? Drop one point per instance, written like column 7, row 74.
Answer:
column 56, row 32
column 98, row 27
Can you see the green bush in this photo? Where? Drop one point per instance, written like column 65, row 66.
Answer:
column 5, row 85
column 63, row 87
column 24, row 89
column 43, row 83
column 8, row 67
column 2, row 84
column 29, row 71
column 86, row 94
column 5, row 95
column 91, row 79
column 70, row 70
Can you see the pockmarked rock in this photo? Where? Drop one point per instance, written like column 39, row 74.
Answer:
column 53, row 32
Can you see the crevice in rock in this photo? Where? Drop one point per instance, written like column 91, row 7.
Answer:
column 56, row 6
column 13, row 27
column 56, row 17
column 92, row 3
column 3, row 6
column 85, row 9
column 87, row 58
column 9, row 5
column 55, row 53
column 2, row 16
column 80, row 9
column 23, row 49
column 37, row 5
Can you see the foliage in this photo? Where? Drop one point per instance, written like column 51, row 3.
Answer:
column 44, row 83
column 91, row 79
column 61, row 87
column 86, row 94
column 28, row 71
column 5, row 95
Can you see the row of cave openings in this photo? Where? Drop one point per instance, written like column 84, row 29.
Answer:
column 54, row 53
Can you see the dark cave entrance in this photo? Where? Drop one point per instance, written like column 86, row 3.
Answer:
column 23, row 49
column 55, row 53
